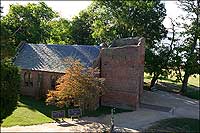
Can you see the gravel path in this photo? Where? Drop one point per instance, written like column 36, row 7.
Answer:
column 124, row 122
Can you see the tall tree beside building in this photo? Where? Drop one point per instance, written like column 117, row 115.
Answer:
column 10, row 87
column 189, row 50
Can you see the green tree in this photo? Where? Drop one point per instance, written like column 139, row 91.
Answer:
column 7, row 42
column 10, row 86
column 161, row 56
column 120, row 19
column 60, row 32
column 188, row 52
column 81, row 31
column 30, row 22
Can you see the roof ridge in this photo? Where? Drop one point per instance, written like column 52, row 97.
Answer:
column 63, row 44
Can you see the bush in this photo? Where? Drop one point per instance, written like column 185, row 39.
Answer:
column 10, row 85
column 79, row 86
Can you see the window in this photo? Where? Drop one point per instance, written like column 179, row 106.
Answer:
column 28, row 80
column 53, row 82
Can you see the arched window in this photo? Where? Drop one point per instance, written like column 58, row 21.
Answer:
column 53, row 82
column 26, row 79
column 30, row 79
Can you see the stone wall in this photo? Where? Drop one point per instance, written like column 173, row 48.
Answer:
column 123, row 70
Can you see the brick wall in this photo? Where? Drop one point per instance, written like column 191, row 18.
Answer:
column 41, row 83
column 123, row 70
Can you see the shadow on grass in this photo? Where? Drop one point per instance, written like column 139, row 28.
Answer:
column 41, row 106
column 167, row 79
column 192, row 91
column 175, row 125
column 38, row 105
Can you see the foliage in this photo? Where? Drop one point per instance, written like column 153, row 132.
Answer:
column 60, row 32
column 120, row 19
column 30, row 22
column 175, row 125
column 7, row 42
column 81, row 32
column 10, row 86
column 188, row 51
column 159, row 58
column 78, row 83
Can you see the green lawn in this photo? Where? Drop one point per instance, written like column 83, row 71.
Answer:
column 29, row 112
column 171, row 85
column 193, row 80
column 175, row 125
column 32, row 112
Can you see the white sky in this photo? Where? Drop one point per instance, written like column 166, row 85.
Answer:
column 68, row 9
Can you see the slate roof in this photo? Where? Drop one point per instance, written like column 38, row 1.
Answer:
column 51, row 57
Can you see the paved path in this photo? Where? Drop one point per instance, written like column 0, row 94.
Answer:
column 125, row 122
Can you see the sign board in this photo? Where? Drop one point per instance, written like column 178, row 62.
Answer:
column 74, row 112
column 58, row 114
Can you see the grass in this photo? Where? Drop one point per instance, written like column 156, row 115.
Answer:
column 193, row 80
column 29, row 112
column 171, row 85
column 175, row 125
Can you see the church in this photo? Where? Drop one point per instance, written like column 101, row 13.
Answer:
column 121, row 64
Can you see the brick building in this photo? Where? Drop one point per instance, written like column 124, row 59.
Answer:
column 121, row 64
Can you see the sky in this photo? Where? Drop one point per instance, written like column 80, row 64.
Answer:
column 68, row 9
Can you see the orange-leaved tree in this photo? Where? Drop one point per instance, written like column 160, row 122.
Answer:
column 78, row 84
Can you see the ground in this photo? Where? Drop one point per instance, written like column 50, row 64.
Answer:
column 171, row 106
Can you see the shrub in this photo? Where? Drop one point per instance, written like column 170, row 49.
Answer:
column 78, row 85
column 10, row 85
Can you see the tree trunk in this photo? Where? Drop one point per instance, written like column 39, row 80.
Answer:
column 184, row 83
column 153, row 80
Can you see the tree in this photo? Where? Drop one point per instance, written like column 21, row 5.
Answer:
column 30, row 22
column 78, row 83
column 189, row 50
column 120, row 19
column 10, row 86
column 161, row 56
column 60, row 32
column 7, row 42
column 81, row 31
